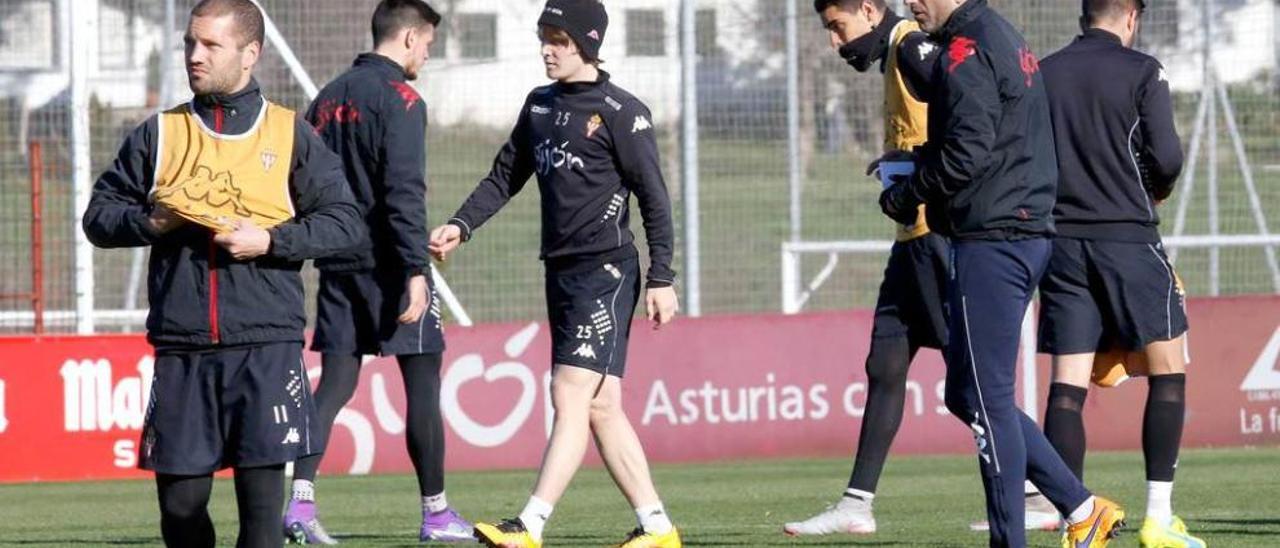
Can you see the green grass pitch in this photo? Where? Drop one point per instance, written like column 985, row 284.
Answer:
column 1230, row 497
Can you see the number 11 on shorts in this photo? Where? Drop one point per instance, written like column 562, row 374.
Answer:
column 282, row 414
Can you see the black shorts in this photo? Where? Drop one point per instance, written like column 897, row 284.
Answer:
column 1102, row 295
column 913, row 292
column 245, row 406
column 590, row 311
column 356, row 313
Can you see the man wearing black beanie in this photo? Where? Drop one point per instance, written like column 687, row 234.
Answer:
column 591, row 145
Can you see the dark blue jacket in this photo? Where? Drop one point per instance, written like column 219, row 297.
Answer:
column 988, row 170
column 200, row 296
column 372, row 119
column 1118, row 149
column 592, row 146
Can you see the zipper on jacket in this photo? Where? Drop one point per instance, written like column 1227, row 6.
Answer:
column 213, row 290
column 213, row 255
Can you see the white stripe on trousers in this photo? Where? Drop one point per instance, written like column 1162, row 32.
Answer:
column 973, row 365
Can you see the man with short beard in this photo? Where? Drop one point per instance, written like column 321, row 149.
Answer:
column 989, row 176
column 377, row 299
column 232, row 193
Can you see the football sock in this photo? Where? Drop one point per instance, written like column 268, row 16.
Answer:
column 259, row 502
column 184, row 510
column 303, row 490
column 653, row 519
column 338, row 378
column 424, row 433
column 1161, row 438
column 434, row 504
column 1082, row 512
column 887, row 366
column 864, row 496
column 535, row 515
column 1064, row 424
column 1162, row 425
column 1160, row 502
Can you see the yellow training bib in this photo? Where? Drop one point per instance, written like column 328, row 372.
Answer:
column 213, row 179
column 906, row 119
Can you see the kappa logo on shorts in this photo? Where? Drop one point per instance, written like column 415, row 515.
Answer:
column 293, row 437
column 585, row 351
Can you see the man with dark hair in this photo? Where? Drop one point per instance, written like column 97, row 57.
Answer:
column 249, row 26
column 988, row 175
column 1110, row 292
column 392, row 17
column 591, row 145
column 232, row 193
column 377, row 299
column 909, row 312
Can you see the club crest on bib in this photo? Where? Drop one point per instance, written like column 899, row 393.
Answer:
column 594, row 125
column 268, row 159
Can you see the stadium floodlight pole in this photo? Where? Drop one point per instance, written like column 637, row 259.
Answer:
column 80, row 37
column 689, row 157
column 309, row 88
column 793, row 118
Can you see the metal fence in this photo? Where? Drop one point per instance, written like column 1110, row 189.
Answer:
column 775, row 153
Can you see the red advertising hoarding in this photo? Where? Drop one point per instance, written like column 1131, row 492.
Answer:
column 716, row 388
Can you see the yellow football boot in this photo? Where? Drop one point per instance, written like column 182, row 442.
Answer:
column 508, row 534
column 1155, row 535
column 1102, row 525
column 640, row 539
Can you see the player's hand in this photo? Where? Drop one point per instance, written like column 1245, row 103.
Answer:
column 661, row 305
column 417, row 288
column 891, row 156
column 898, row 204
column 245, row 241
column 444, row 238
column 163, row 220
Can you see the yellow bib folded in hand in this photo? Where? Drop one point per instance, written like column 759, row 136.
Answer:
column 213, row 179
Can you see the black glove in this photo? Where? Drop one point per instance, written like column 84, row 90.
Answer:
column 899, row 203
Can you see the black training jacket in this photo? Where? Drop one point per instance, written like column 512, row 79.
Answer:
column 988, row 171
column 592, row 146
column 200, row 296
column 372, row 119
column 1118, row 150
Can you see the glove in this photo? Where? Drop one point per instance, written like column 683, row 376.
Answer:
column 899, row 203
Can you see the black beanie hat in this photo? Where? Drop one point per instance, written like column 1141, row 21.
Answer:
column 584, row 20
